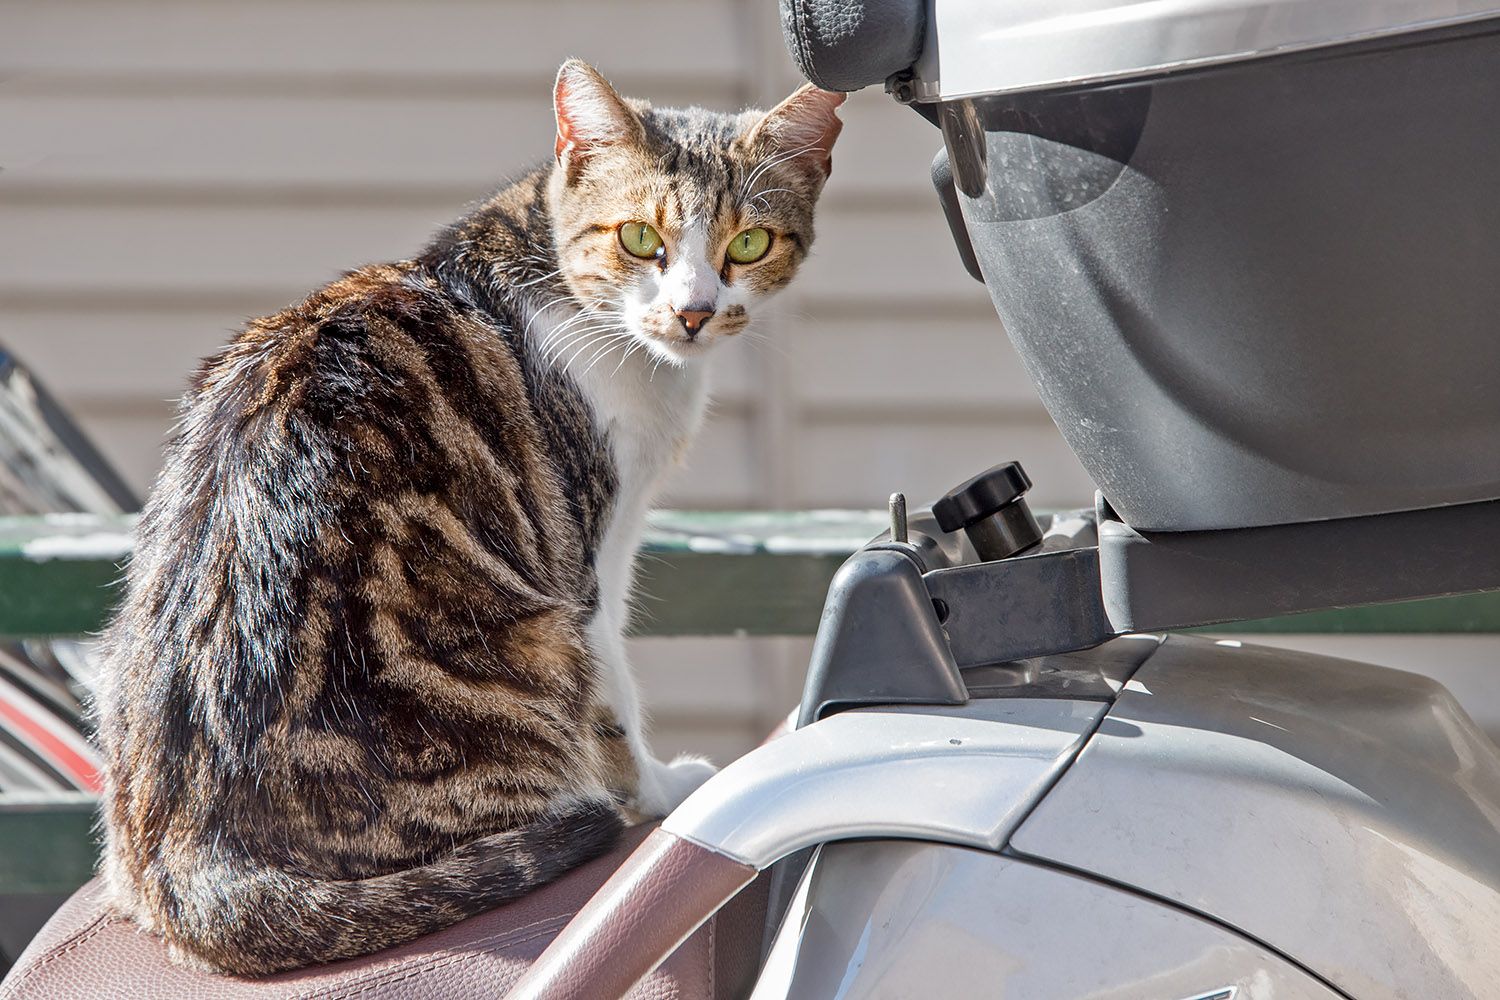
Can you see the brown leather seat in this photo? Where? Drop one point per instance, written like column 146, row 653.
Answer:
column 86, row 953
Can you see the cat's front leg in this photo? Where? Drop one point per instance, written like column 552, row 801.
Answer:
column 664, row 786
column 650, row 788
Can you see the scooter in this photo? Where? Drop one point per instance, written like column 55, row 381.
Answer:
column 1247, row 253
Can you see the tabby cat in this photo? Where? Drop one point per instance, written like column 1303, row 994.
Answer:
column 369, row 676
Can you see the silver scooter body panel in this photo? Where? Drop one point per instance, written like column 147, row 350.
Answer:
column 1344, row 814
column 1275, row 822
column 897, row 919
column 966, row 774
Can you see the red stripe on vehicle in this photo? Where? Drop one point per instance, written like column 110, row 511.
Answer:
column 84, row 772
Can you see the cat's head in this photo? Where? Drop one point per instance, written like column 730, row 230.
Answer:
column 683, row 221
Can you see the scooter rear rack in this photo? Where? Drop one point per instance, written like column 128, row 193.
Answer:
column 905, row 618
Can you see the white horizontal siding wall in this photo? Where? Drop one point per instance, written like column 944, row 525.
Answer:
column 172, row 168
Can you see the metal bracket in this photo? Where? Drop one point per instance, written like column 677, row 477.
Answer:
column 1167, row 580
column 880, row 640
column 1073, row 598
column 1029, row 605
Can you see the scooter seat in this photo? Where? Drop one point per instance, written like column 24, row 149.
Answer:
column 85, row 951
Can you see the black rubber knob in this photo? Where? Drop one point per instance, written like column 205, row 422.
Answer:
column 981, row 496
column 991, row 509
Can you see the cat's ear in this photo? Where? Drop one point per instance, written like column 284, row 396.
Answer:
column 801, row 128
column 590, row 116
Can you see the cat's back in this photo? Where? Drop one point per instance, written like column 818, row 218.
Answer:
column 378, row 336
column 360, row 529
column 362, row 464
column 382, row 380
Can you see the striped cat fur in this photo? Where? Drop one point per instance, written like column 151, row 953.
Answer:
column 368, row 678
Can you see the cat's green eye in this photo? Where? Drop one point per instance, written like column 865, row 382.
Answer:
column 640, row 239
column 749, row 246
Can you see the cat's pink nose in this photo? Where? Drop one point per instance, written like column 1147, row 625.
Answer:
column 693, row 320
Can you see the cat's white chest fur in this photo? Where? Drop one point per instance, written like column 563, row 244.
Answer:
column 647, row 412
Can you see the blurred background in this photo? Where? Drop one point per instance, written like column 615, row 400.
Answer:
column 168, row 169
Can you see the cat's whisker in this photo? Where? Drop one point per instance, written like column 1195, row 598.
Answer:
column 629, row 350
column 632, row 344
column 583, row 347
column 569, row 334
column 548, row 344
column 568, row 364
column 604, row 354
column 581, row 323
column 760, row 340
column 600, row 349
column 566, row 330
column 763, row 196
column 586, row 312
column 581, row 338
column 663, row 359
column 638, row 345
column 610, row 343
column 555, row 348
column 771, row 163
column 538, row 280
column 537, row 314
column 571, row 321
column 760, row 168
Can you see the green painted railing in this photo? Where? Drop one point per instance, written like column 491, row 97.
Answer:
column 48, row 842
column 726, row 573
column 700, row 573
column 47, row 850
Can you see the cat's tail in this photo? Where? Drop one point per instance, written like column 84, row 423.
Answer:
column 254, row 921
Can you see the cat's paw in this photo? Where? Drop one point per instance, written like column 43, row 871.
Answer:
column 664, row 786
